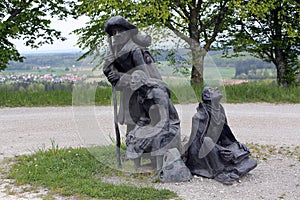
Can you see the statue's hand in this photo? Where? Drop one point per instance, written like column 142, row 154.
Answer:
column 145, row 143
column 143, row 121
column 243, row 146
column 113, row 77
column 226, row 154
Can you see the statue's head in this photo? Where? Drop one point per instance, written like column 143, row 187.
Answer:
column 119, row 22
column 138, row 79
column 211, row 94
column 120, row 29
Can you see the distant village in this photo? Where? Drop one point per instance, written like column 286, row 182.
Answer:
column 46, row 68
column 30, row 78
column 44, row 74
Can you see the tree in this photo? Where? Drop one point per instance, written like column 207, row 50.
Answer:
column 269, row 29
column 197, row 22
column 27, row 20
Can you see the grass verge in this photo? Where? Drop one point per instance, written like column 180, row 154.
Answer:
column 74, row 171
column 262, row 92
column 181, row 93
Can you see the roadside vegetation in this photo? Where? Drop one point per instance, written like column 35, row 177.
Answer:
column 79, row 173
column 262, row 92
column 75, row 172
column 264, row 152
column 62, row 94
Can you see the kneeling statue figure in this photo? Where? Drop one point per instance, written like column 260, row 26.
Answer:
column 212, row 150
column 157, row 123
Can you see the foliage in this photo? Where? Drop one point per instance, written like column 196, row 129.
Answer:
column 261, row 92
column 48, row 94
column 75, row 172
column 270, row 31
column 28, row 21
column 62, row 94
column 195, row 22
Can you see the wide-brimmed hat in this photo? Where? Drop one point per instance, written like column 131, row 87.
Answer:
column 119, row 21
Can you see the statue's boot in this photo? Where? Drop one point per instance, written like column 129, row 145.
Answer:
column 224, row 178
column 233, row 176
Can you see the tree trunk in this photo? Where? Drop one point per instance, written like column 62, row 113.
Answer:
column 279, row 53
column 198, row 56
column 281, row 68
column 280, row 75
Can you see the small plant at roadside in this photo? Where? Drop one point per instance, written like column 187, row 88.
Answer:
column 263, row 152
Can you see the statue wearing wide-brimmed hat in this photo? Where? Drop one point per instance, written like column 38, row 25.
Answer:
column 128, row 52
column 117, row 22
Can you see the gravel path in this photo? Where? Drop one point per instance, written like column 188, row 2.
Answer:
column 25, row 130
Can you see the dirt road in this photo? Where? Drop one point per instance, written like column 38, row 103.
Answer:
column 25, row 130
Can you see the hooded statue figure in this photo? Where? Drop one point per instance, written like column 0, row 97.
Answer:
column 213, row 151
column 128, row 52
column 157, row 122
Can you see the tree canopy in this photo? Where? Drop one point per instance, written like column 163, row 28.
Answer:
column 28, row 20
column 198, row 23
column 269, row 29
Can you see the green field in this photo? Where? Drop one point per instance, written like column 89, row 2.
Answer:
column 214, row 71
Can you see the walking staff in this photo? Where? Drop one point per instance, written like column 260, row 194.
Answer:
column 117, row 130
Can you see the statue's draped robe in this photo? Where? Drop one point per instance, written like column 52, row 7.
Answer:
column 210, row 134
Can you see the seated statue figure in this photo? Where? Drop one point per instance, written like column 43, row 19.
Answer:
column 212, row 150
column 157, row 126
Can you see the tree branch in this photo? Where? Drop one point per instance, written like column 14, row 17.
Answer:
column 199, row 5
column 182, row 7
column 180, row 13
column 19, row 10
column 8, row 43
column 177, row 24
column 179, row 34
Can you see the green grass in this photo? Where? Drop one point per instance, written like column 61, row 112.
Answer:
column 182, row 93
column 220, row 73
column 78, row 173
column 30, row 98
column 252, row 92
column 261, row 92
column 35, row 98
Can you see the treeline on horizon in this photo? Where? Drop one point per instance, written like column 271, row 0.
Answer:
column 69, row 59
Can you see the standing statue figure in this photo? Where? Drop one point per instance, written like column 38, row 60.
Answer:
column 213, row 151
column 157, row 122
column 128, row 52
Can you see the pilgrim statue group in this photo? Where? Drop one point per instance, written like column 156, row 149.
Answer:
column 152, row 122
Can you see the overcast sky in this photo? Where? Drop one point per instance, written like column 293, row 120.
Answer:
column 66, row 27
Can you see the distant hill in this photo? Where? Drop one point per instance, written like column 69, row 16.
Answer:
column 62, row 60
column 69, row 59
